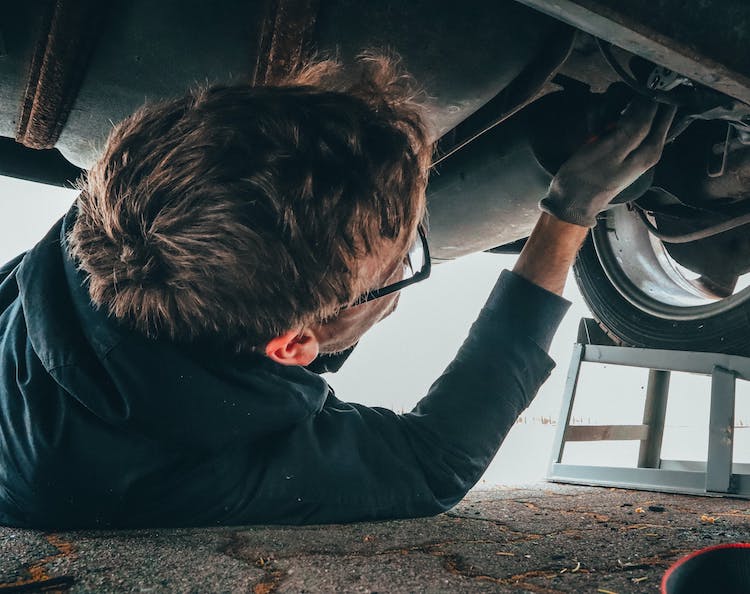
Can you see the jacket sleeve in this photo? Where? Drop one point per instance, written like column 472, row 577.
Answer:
column 350, row 462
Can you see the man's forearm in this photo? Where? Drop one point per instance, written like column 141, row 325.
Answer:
column 550, row 252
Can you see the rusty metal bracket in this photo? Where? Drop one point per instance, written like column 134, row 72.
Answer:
column 286, row 38
column 67, row 37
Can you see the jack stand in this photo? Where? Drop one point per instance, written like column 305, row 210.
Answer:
column 718, row 476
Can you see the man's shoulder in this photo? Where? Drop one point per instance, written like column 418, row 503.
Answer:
column 8, row 268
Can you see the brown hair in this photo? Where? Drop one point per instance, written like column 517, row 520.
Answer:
column 237, row 213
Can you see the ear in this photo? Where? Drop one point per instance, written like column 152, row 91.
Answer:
column 296, row 347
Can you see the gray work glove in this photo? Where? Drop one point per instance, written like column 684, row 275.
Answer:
column 601, row 169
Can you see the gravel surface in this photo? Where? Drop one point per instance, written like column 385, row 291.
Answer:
column 543, row 538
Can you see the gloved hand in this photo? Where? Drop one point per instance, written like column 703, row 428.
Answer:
column 587, row 182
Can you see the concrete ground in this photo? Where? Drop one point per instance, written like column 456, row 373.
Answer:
column 544, row 539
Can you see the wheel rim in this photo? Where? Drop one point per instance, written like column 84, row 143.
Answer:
column 639, row 267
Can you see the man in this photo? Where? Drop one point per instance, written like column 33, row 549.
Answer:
column 154, row 345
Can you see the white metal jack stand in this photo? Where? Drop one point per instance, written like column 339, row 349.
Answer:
column 717, row 476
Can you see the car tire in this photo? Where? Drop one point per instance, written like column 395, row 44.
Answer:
column 630, row 315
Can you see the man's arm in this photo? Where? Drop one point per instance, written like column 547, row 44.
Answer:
column 550, row 252
column 350, row 462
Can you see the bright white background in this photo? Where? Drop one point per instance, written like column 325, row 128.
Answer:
column 398, row 360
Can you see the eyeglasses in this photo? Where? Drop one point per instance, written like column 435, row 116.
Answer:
column 417, row 266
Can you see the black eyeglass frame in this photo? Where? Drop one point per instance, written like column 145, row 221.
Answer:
column 422, row 274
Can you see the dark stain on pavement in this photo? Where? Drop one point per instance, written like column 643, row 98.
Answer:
column 39, row 580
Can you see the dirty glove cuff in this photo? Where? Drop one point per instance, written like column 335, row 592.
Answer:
column 568, row 211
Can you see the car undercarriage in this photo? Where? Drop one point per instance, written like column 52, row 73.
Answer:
column 514, row 88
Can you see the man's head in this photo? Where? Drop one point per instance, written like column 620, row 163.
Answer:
column 239, row 215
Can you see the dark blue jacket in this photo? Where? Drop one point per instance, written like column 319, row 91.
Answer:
column 100, row 426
